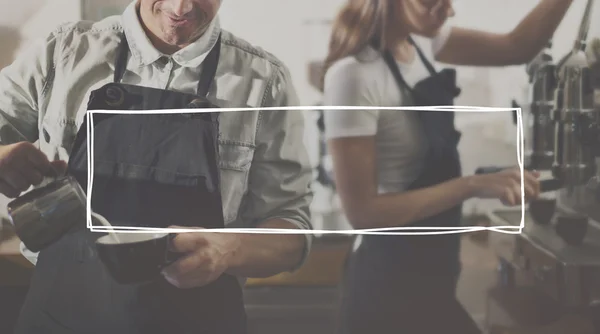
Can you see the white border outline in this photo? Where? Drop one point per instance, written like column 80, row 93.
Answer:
column 377, row 231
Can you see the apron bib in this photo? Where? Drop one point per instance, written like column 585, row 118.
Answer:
column 150, row 170
column 411, row 279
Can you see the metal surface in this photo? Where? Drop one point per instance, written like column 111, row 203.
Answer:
column 544, row 237
column 568, row 274
column 43, row 215
column 291, row 310
column 561, row 259
column 539, row 128
column 584, row 27
column 575, row 114
column 574, row 150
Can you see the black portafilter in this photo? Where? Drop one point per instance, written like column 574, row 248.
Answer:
column 570, row 227
column 548, row 185
column 540, row 209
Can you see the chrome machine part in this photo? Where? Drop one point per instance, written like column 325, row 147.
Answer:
column 560, row 258
column 575, row 115
column 539, row 257
column 538, row 124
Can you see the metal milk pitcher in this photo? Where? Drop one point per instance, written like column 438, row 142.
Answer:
column 43, row 215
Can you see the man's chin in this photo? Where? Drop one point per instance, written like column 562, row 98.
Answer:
column 176, row 40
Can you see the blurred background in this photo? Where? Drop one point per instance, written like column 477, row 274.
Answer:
column 297, row 32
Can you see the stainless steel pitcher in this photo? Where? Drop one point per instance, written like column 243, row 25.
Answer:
column 43, row 215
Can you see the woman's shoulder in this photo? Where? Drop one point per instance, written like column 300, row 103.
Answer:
column 364, row 66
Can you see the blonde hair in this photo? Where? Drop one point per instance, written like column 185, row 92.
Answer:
column 360, row 23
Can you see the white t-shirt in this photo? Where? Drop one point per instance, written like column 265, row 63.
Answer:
column 365, row 80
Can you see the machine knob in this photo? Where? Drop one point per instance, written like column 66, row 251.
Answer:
column 572, row 229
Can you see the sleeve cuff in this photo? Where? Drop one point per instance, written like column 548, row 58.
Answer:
column 307, row 244
column 358, row 131
column 29, row 255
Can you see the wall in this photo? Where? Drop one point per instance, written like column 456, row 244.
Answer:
column 49, row 15
column 11, row 18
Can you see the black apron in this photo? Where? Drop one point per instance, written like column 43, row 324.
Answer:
column 407, row 283
column 150, row 170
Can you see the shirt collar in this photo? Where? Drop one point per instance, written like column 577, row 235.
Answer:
column 142, row 49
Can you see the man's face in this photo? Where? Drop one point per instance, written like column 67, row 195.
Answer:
column 178, row 22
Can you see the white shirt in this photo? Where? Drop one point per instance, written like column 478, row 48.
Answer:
column 365, row 80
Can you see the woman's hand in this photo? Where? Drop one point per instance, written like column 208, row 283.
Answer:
column 506, row 186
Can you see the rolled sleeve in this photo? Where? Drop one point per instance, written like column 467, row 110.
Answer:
column 281, row 174
column 22, row 87
column 348, row 83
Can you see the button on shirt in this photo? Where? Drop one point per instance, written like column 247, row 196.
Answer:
column 264, row 166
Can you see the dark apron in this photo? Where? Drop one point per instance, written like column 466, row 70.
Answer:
column 407, row 283
column 150, row 170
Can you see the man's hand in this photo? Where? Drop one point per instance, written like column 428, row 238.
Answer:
column 207, row 256
column 23, row 165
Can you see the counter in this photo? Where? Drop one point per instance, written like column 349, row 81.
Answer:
column 15, row 273
column 15, row 268
column 545, row 285
column 305, row 301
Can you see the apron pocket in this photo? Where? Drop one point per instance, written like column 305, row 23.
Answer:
column 235, row 161
column 130, row 195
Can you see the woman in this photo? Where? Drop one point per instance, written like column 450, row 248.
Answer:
column 402, row 168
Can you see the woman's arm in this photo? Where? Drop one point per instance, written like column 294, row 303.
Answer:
column 351, row 144
column 355, row 177
column 478, row 48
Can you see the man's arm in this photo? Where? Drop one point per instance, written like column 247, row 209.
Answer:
column 279, row 192
column 479, row 48
column 278, row 197
column 22, row 86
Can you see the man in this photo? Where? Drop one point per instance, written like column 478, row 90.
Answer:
column 157, row 48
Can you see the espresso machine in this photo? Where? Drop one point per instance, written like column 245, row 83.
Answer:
column 549, row 274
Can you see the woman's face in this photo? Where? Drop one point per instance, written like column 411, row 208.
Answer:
column 422, row 17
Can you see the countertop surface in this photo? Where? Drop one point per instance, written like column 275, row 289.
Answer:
column 323, row 267
column 10, row 247
column 545, row 237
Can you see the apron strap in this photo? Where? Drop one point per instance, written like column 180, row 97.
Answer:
column 424, row 59
column 208, row 71
column 121, row 61
column 393, row 66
